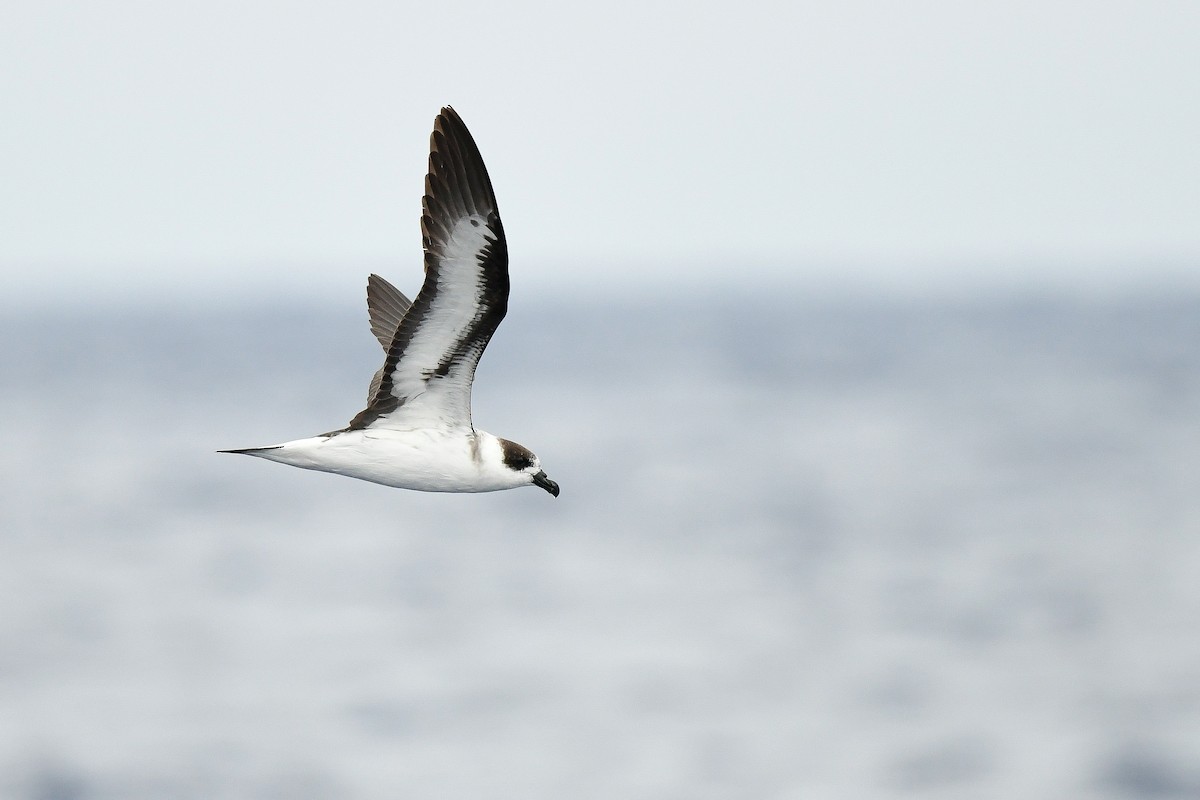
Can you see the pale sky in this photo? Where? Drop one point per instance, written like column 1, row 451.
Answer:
column 217, row 147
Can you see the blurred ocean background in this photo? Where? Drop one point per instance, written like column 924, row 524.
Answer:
column 805, row 548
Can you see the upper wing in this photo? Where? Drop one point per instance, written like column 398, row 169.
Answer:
column 426, row 378
column 386, row 305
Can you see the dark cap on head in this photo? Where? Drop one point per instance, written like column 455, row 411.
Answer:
column 519, row 459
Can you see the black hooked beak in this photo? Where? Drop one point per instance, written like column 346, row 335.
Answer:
column 542, row 480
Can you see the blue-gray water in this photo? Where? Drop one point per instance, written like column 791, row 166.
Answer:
column 846, row 550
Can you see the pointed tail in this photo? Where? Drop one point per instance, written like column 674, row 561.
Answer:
column 252, row 451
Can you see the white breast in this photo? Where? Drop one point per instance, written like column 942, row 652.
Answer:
column 430, row 460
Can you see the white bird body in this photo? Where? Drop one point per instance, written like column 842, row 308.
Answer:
column 425, row 459
column 416, row 431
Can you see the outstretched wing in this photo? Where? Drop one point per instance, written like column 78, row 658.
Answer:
column 386, row 306
column 426, row 378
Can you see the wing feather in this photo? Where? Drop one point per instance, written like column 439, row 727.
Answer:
column 386, row 306
column 431, row 359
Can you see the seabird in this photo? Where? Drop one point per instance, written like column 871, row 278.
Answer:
column 416, row 431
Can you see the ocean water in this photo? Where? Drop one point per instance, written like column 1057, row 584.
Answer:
column 843, row 549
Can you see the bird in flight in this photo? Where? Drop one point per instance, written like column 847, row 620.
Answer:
column 416, row 431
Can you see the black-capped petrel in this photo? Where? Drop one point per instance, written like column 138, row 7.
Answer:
column 416, row 431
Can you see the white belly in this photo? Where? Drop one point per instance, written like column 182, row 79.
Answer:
column 425, row 460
